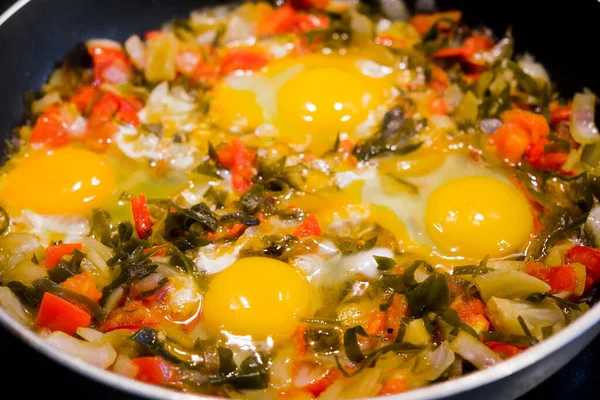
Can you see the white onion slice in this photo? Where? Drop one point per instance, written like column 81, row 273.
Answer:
column 101, row 356
column 583, row 127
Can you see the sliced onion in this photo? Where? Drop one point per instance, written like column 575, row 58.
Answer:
column 10, row 302
column 592, row 225
column 490, row 125
column 136, row 50
column 124, row 366
column 532, row 68
column 583, row 126
column 89, row 334
column 474, row 351
column 363, row 263
column 147, row 284
column 101, row 356
column 394, row 9
column 438, row 361
column 38, row 106
column 113, row 299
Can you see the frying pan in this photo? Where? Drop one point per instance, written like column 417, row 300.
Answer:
column 35, row 34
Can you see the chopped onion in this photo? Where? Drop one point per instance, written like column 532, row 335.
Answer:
column 89, row 334
column 490, row 125
column 583, row 126
column 239, row 31
column 148, row 283
column 532, row 68
column 474, row 351
column 592, row 225
column 438, row 361
column 11, row 303
column 113, row 299
column 101, row 356
column 394, row 9
column 136, row 50
column 38, row 106
column 124, row 366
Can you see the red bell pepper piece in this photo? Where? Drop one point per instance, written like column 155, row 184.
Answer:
column 51, row 129
column 141, row 216
column 155, row 370
column 57, row 314
column 55, row 253
column 84, row 285
column 240, row 162
column 309, row 227
column 133, row 315
column 586, row 256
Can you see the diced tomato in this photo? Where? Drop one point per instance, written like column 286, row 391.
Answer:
column 133, row 315
column 243, row 59
column 471, row 311
column 559, row 278
column 240, row 162
column 51, row 129
column 55, row 253
column 309, row 227
column 127, row 113
column 57, row 314
column 393, row 386
column 438, row 106
column 559, row 112
column 376, row 324
column 155, row 370
column 141, row 216
column 152, row 34
column 236, row 230
column 520, row 131
column 84, row 98
column 397, row 310
column 507, row 349
column 424, row 22
column 320, row 385
column 537, row 157
column 587, row 256
column 286, row 20
column 439, row 79
column 84, row 285
column 191, row 63
column 470, row 46
column 111, row 65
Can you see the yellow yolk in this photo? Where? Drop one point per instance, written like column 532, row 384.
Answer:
column 257, row 296
column 232, row 108
column 321, row 102
column 477, row 216
column 67, row 180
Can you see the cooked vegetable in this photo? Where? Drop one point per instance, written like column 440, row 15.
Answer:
column 301, row 199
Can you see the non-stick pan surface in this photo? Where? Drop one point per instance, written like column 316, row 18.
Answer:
column 35, row 34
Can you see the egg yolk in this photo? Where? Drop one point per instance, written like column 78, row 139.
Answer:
column 477, row 216
column 67, row 180
column 257, row 296
column 235, row 109
column 322, row 102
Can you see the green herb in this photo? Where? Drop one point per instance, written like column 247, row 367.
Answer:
column 384, row 263
column 241, row 217
column 67, row 267
column 348, row 245
column 374, row 356
column 207, row 168
column 430, row 295
column 30, row 296
column 155, row 128
column 253, row 198
column 414, row 189
column 509, row 338
column 409, row 273
column 217, row 196
column 395, row 136
column 102, row 229
column 46, row 285
column 252, row 374
column 471, row 270
column 523, row 326
column 351, row 346
column 158, row 286
column 136, row 266
column 538, row 297
column 154, row 342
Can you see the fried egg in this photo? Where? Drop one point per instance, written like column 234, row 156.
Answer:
column 458, row 211
column 63, row 181
column 307, row 100
column 258, row 297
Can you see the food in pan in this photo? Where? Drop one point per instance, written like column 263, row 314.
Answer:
column 308, row 200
